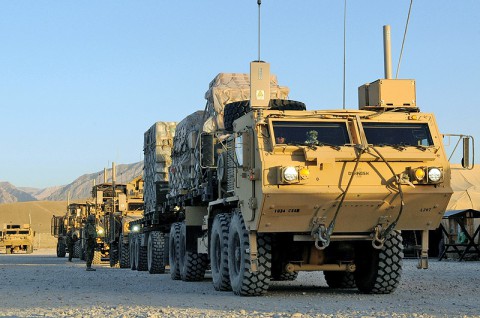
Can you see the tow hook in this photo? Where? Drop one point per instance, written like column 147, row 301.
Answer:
column 322, row 240
column 378, row 240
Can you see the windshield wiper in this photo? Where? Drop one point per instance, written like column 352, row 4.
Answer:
column 314, row 146
column 400, row 147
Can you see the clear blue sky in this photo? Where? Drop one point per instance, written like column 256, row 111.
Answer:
column 81, row 81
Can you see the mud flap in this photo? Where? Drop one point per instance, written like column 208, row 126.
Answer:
column 252, row 237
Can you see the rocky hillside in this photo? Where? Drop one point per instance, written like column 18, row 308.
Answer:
column 10, row 194
column 80, row 188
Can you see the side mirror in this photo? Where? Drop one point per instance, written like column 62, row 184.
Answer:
column 468, row 159
column 207, row 150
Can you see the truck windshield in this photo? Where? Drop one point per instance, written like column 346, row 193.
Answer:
column 311, row 133
column 384, row 134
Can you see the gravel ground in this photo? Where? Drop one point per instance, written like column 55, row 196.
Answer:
column 42, row 285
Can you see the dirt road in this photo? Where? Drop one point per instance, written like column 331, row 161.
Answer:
column 41, row 284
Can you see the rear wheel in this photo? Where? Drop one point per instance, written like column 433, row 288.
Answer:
column 337, row 279
column 114, row 262
column 219, row 252
column 124, row 254
column 379, row 271
column 285, row 276
column 132, row 252
column 244, row 281
column 156, row 253
column 192, row 265
column 140, row 254
column 173, row 250
column 77, row 250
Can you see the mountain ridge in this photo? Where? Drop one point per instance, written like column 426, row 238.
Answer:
column 80, row 188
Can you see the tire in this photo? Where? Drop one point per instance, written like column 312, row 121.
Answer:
column 140, row 255
column 97, row 257
column 114, row 256
column 132, row 252
column 219, row 252
column 284, row 104
column 77, row 250
column 244, row 282
column 61, row 249
column 192, row 265
column 173, row 250
column 156, row 253
column 379, row 271
column 124, row 254
column 337, row 279
column 285, row 276
column 234, row 111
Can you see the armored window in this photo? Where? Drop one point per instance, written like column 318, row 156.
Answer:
column 23, row 232
column 311, row 133
column 411, row 134
column 135, row 206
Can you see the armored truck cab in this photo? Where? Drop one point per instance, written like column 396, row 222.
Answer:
column 74, row 218
column 17, row 237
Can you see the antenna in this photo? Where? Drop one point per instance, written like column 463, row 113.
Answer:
column 344, row 48
column 259, row 2
column 404, row 37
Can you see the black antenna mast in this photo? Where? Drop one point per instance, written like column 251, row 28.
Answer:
column 259, row 2
column 344, row 48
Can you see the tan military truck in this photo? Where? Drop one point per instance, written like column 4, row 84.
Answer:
column 74, row 218
column 115, row 205
column 260, row 188
column 17, row 237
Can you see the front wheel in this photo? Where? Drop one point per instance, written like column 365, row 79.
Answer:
column 379, row 271
column 243, row 280
column 219, row 252
column 61, row 249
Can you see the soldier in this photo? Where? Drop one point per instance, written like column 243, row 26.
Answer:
column 91, row 235
column 70, row 242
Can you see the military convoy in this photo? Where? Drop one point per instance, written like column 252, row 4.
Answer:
column 17, row 237
column 114, row 205
column 257, row 188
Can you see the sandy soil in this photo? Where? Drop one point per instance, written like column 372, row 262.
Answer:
column 42, row 285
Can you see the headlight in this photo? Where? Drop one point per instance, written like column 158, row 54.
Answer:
column 434, row 175
column 100, row 230
column 290, row 174
column 135, row 228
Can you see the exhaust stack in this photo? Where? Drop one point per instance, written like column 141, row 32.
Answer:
column 387, row 52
